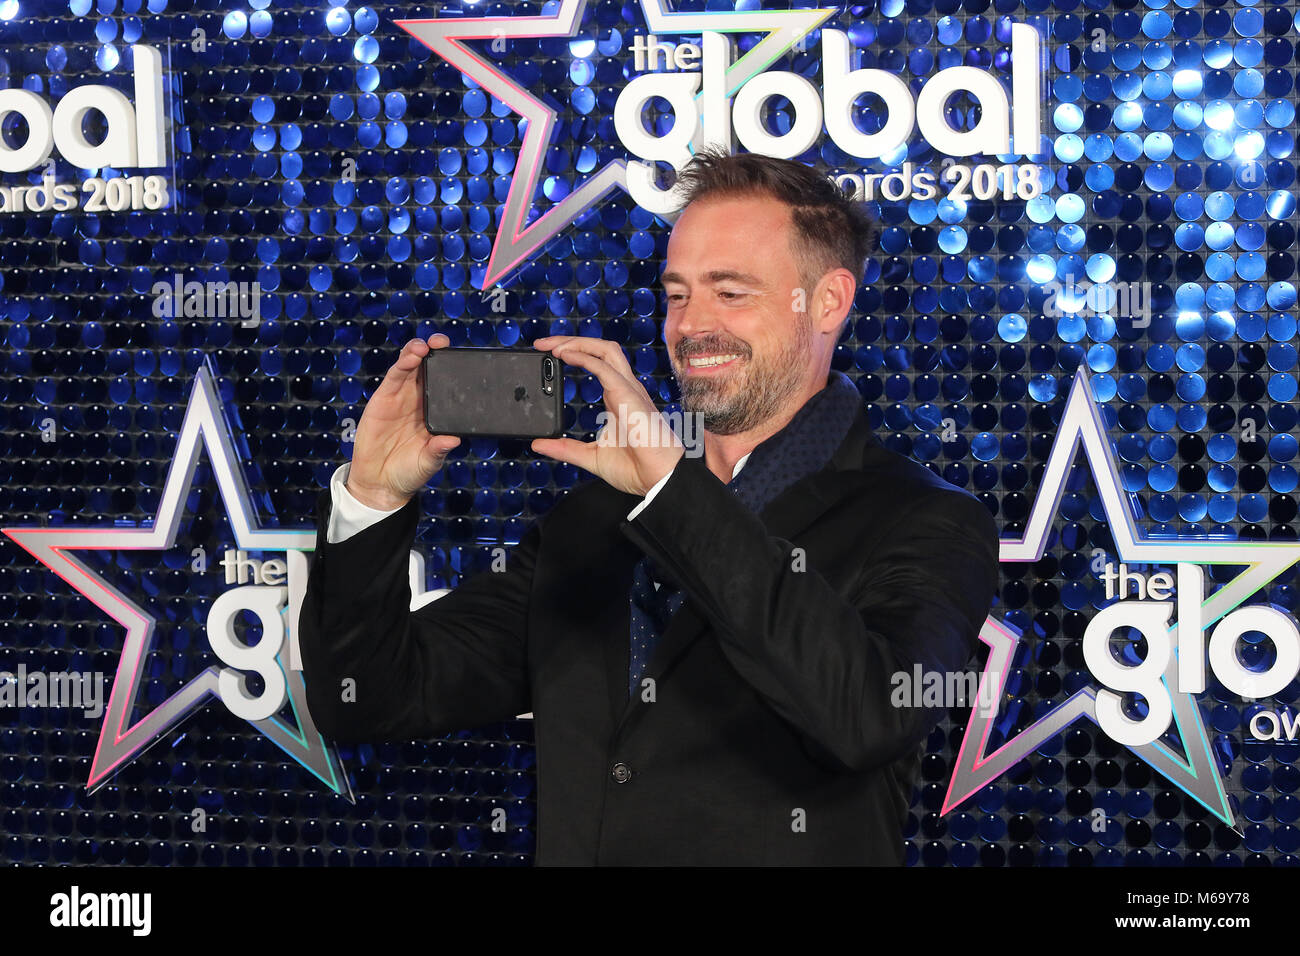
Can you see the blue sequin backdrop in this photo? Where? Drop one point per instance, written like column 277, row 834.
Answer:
column 319, row 151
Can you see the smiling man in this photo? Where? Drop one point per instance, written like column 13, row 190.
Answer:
column 708, row 644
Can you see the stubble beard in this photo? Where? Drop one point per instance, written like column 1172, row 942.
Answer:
column 750, row 394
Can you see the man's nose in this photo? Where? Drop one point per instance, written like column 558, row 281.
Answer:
column 695, row 317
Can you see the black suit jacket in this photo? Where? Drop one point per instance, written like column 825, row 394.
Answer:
column 770, row 737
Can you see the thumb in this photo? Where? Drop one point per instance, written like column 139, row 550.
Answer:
column 435, row 450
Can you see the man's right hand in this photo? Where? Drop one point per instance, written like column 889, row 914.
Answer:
column 394, row 456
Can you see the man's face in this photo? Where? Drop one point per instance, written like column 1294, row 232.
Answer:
column 738, row 332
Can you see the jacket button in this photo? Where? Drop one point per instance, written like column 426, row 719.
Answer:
column 621, row 773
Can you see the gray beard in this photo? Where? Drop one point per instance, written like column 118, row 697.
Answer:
column 760, row 391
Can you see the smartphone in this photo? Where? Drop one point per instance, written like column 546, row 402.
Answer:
column 506, row 393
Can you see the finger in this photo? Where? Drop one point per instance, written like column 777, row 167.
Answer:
column 611, row 355
column 435, row 450
column 407, row 364
column 610, row 352
column 620, row 386
column 580, row 453
column 419, row 350
column 593, row 362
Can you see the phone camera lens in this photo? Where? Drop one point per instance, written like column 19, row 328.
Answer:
column 548, row 369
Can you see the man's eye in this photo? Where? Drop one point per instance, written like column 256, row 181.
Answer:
column 730, row 296
column 676, row 298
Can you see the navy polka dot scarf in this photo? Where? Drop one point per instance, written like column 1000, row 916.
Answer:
column 801, row 448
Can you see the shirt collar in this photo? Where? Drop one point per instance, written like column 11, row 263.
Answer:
column 740, row 463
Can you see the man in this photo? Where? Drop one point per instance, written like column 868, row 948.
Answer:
column 706, row 643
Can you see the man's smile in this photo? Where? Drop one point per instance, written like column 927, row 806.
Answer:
column 710, row 364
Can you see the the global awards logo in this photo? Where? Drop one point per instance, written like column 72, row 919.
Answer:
column 133, row 135
column 265, row 577
column 718, row 100
column 1148, row 702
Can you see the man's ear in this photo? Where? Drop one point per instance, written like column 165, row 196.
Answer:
column 833, row 300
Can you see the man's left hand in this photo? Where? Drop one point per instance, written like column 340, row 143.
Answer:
column 649, row 448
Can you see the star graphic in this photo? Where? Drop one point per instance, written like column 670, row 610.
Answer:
column 1195, row 772
column 516, row 238
column 204, row 426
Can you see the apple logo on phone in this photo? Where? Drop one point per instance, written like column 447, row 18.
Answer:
column 521, row 393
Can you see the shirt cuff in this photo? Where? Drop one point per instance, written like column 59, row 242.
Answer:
column 347, row 515
column 649, row 496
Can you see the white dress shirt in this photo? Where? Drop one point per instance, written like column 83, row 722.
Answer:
column 349, row 516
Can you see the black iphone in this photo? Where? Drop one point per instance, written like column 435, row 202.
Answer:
column 507, row 393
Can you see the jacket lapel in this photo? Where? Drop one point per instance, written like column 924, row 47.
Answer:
column 618, row 650
column 790, row 513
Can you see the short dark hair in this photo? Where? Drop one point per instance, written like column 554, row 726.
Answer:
column 830, row 229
